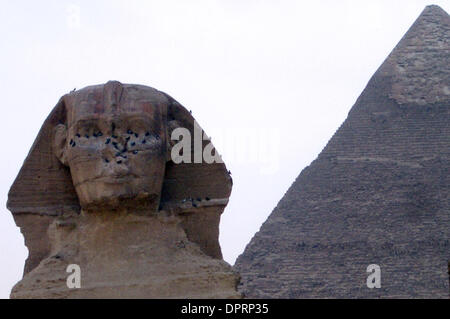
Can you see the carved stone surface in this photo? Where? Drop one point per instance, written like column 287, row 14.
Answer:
column 379, row 193
column 99, row 189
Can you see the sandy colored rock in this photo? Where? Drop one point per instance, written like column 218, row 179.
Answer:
column 99, row 181
column 123, row 255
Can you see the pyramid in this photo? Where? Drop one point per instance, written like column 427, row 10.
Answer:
column 379, row 192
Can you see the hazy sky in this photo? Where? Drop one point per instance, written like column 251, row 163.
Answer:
column 270, row 81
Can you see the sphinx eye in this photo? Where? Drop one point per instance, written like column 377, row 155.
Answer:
column 135, row 152
column 129, row 131
column 147, row 134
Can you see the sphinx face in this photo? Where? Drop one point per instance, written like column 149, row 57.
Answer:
column 116, row 155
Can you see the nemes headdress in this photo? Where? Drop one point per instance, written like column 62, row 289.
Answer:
column 43, row 190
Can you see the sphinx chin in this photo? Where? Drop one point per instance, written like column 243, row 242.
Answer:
column 149, row 203
column 100, row 196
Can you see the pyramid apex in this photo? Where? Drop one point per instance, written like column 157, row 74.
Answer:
column 421, row 54
column 433, row 13
column 434, row 8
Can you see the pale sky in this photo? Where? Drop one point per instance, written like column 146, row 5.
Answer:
column 269, row 81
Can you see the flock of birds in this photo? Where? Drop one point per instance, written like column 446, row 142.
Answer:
column 194, row 200
column 121, row 150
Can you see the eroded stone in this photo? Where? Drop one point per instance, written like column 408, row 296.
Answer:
column 99, row 189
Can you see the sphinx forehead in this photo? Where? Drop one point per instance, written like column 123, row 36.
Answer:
column 114, row 99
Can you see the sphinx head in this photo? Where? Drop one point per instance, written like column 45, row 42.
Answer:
column 113, row 140
column 106, row 147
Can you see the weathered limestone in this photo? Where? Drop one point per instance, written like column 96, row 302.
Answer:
column 99, row 189
column 123, row 255
column 379, row 193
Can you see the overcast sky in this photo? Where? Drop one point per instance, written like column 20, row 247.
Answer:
column 270, row 81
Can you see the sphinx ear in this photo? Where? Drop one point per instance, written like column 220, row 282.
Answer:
column 60, row 143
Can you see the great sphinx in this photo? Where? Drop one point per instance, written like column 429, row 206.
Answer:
column 99, row 189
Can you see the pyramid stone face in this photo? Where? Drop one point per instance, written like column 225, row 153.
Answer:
column 379, row 193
